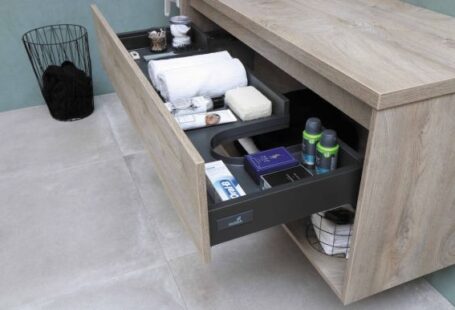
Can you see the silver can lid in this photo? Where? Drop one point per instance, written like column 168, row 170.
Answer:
column 180, row 20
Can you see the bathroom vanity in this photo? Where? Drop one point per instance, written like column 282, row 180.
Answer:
column 387, row 66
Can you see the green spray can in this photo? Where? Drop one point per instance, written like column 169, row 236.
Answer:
column 327, row 152
column 311, row 136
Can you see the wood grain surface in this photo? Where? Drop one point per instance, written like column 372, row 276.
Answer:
column 176, row 161
column 386, row 53
column 203, row 23
column 340, row 98
column 332, row 269
column 405, row 221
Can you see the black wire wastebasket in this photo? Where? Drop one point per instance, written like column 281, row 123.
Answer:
column 60, row 58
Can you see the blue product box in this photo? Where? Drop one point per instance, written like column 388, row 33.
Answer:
column 222, row 185
column 269, row 161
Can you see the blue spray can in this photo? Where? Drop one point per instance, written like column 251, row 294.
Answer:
column 327, row 152
column 311, row 136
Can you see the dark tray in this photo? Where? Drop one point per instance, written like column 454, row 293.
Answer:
column 260, row 209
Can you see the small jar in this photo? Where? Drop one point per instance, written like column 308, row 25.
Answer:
column 180, row 20
column 181, row 31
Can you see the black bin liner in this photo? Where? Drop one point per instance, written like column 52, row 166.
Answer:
column 60, row 58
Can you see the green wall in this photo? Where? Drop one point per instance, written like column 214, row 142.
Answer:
column 444, row 280
column 444, row 6
column 18, row 87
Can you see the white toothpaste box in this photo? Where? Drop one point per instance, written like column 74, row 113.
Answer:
column 222, row 184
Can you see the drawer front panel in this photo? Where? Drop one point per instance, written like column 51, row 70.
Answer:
column 176, row 161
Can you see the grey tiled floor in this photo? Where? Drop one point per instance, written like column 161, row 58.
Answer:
column 84, row 224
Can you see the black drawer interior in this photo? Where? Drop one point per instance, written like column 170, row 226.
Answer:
column 261, row 209
column 138, row 41
column 282, row 204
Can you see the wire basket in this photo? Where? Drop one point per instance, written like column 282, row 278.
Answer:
column 60, row 57
column 330, row 232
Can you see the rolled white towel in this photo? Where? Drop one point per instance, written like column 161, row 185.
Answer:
column 155, row 67
column 210, row 79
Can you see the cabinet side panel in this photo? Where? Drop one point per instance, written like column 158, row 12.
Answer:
column 197, row 18
column 405, row 223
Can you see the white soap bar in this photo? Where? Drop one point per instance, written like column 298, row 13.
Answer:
column 248, row 103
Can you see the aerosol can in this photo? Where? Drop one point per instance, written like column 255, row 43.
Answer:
column 327, row 152
column 311, row 136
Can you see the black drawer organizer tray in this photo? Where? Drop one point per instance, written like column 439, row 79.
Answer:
column 259, row 209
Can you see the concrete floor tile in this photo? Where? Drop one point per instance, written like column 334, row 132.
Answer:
column 70, row 228
column 414, row 295
column 267, row 271
column 123, row 130
column 147, row 182
column 173, row 238
column 152, row 288
column 33, row 142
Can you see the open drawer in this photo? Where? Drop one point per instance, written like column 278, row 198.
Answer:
column 179, row 156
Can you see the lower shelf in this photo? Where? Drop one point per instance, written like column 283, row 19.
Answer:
column 332, row 269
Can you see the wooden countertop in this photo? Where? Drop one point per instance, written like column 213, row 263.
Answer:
column 385, row 52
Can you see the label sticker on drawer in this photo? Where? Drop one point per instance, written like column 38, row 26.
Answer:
column 235, row 220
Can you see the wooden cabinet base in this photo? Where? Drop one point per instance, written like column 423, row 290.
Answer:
column 405, row 221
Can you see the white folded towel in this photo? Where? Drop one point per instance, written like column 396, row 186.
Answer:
column 210, row 79
column 155, row 67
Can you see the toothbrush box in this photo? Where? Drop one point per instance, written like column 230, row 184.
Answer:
column 222, row 185
column 269, row 161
